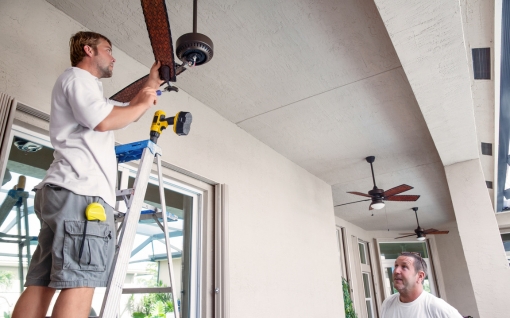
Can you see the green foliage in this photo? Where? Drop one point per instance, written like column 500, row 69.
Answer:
column 5, row 279
column 7, row 315
column 348, row 305
column 153, row 305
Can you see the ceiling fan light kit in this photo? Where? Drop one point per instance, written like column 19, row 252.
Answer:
column 377, row 204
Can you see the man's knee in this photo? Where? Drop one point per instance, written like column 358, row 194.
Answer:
column 33, row 302
column 73, row 302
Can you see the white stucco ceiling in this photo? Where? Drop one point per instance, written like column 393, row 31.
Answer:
column 321, row 83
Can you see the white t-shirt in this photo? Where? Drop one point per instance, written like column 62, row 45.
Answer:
column 84, row 159
column 425, row 306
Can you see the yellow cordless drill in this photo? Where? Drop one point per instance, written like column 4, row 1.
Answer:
column 181, row 122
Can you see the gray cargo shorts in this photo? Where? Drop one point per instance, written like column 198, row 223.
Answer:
column 55, row 262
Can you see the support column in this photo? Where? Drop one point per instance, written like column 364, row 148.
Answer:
column 480, row 238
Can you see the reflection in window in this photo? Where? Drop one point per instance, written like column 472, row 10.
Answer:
column 19, row 225
column 362, row 253
column 148, row 266
column 503, row 177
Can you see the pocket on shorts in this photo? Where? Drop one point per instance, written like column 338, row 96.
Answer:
column 95, row 248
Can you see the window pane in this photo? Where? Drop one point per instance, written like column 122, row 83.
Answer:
column 362, row 255
column 506, row 243
column 368, row 293
column 148, row 264
column 32, row 163
column 369, row 308
column 393, row 250
column 366, row 285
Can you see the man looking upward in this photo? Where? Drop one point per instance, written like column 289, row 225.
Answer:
column 83, row 171
column 412, row 300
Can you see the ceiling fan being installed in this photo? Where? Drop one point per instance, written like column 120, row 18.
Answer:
column 419, row 232
column 378, row 196
column 192, row 48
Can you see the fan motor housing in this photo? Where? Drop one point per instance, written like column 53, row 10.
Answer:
column 376, row 193
column 196, row 45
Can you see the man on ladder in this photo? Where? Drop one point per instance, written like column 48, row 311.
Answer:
column 83, row 172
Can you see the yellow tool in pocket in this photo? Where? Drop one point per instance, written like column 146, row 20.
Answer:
column 95, row 212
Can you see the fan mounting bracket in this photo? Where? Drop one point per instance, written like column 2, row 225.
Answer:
column 370, row 159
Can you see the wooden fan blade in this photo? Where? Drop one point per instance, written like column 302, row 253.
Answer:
column 436, row 232
column 359, row 193
column 126, row 94
column 403, row 198
column 352, row 202
column 406, row 233
column 405, row 236
column 396, row 190
column 158, row 26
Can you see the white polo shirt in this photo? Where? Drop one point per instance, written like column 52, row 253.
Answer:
column 84, row 159
column 425, row 306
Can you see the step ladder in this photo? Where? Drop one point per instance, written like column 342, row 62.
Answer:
column 145, row 151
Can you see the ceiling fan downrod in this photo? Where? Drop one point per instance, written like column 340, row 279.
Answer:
column 195, row 16
column 415, row 209
column 370, row 160
column 194, row 48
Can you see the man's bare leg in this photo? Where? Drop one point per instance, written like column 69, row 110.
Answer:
column 33, row 302
column 73, row 302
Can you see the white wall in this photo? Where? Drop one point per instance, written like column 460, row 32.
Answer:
column 456, row 279
column 479, row 234
column 282, row 229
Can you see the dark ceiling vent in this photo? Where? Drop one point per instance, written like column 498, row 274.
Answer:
column 482, row 63
column 486, row 149
column 32, row 111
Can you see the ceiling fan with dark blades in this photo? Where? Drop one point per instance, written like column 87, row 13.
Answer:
column 378, row 196
column 192, row 48
column 419, row 232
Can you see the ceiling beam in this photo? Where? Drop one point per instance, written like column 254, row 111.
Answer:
column 429, row 40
